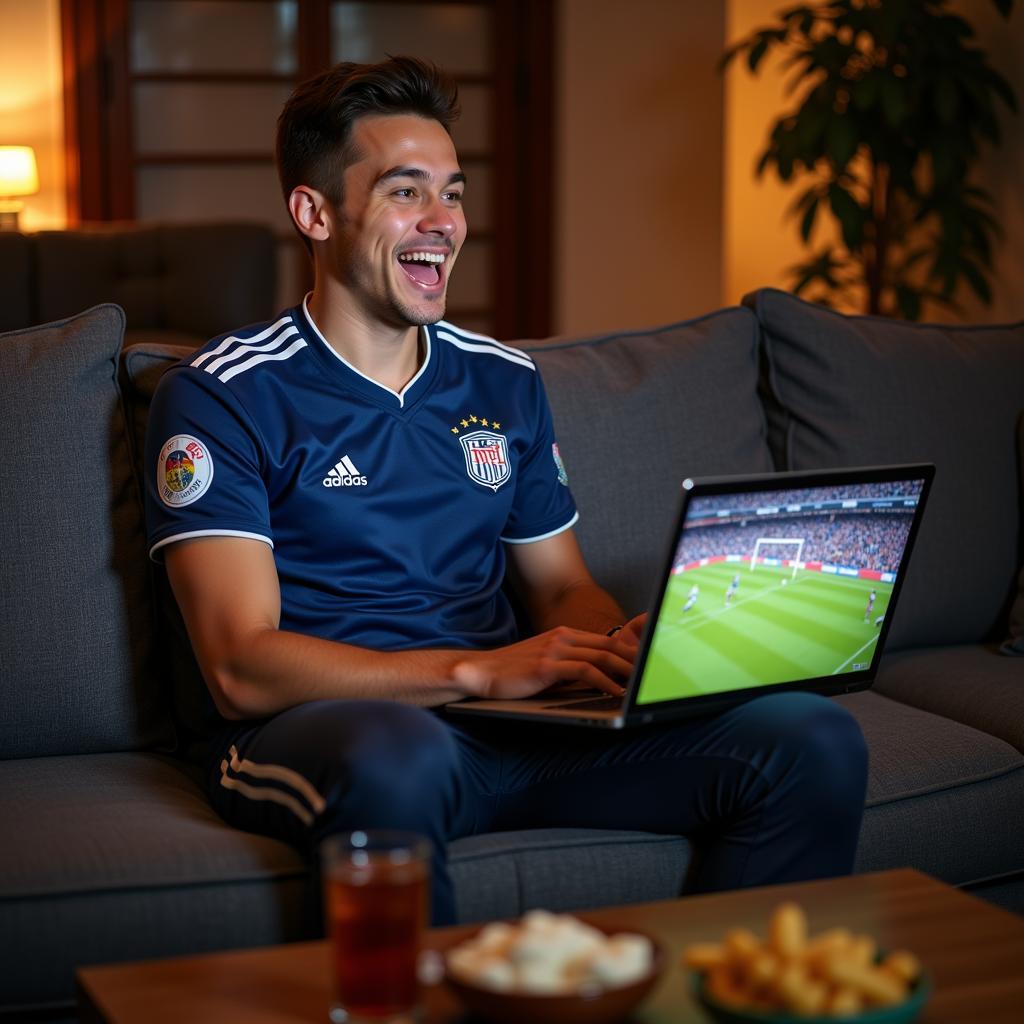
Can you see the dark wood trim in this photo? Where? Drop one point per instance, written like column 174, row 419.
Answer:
column 98, row 128
column 69, row 36
column 223, row 157
column 152, row 159
column 118, row 111
column 216, row 77
column 523, row 141
column 314, row 37
column 85, row 138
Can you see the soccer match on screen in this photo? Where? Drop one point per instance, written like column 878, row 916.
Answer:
column 776, row 586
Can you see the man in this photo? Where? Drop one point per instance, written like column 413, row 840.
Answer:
column 730, row 591
column 691, row 598
column 871, row 604
column 337, row 495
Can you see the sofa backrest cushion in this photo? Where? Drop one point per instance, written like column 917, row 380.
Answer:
column 635, row 414
column 76, row 647
column 15, row 281
column 200, row 279
column 1014, row 643
column 858, row 390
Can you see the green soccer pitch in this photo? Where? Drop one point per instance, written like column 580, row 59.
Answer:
column 777, row 628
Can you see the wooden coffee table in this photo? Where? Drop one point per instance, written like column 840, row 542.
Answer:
column 975, row 952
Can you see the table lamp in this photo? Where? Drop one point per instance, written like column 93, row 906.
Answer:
column 18, row 177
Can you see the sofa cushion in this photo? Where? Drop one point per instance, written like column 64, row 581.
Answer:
column 942, row 797
column 119, row 857
column 563, row 869
column 638, row 412
column 77, row 640
column 855, row 390
column 971, row 684
column 160, row 274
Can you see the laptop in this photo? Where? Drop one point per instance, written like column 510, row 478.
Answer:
column 784, row 581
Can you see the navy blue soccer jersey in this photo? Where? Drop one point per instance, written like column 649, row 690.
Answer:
column 386, row 512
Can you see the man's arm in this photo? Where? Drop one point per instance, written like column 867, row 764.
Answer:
column 568, row 609
column 229, row 595
column 554, row 582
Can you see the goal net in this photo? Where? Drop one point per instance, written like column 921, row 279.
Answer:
column 785, row 542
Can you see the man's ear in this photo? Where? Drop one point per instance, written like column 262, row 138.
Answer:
column 310, row 211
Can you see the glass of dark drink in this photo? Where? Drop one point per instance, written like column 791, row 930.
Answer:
column 376, row 893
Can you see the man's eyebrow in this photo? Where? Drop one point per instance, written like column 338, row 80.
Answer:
column 456, row 177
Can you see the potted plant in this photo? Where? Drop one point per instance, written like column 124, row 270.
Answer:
column 895, row 100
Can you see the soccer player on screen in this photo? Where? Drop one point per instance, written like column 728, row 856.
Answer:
column 871, row 604
column 691, row 598
column 730, row 591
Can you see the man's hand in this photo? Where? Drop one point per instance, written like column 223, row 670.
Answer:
column 632, row 631
column 560, row 655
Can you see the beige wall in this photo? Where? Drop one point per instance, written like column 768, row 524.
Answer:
column 31, row 101
column 639, row 162
column 759, row 242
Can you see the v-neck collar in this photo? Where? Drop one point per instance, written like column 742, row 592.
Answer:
column 375, row 391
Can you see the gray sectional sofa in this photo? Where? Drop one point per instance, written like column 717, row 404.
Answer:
column 109, row 850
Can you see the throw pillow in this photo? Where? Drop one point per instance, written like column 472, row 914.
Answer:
column 636, row 412
column 76, row 647
column 860, row 390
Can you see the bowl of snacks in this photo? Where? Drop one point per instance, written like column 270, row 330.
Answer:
column 792, row 977
column 553, row 969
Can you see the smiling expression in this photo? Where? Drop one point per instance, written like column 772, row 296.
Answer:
column 399, row 229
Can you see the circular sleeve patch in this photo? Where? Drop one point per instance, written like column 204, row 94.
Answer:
column 184, row 470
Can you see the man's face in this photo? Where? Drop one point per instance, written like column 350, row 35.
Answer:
column 397, row 233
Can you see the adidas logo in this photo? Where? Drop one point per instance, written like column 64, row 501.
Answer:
column 345, row 474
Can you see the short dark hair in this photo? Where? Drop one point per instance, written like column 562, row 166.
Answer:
column 314, row 129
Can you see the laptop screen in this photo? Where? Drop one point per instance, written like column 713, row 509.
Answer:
column 778, row 586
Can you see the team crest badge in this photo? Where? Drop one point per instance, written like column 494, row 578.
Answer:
column 486, row 458
column 184, row 470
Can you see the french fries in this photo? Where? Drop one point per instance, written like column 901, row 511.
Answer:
column 832, row 974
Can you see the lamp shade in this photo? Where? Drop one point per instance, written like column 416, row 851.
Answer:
column 18, row 175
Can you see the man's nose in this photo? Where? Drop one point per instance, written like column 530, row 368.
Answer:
column 439, row 218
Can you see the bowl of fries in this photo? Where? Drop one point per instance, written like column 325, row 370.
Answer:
column 792, row 977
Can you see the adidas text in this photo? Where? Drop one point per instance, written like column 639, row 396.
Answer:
column 345, row 474
column 344, row 481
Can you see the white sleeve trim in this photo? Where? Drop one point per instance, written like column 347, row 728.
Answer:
column 543, row 536
column 207, row 533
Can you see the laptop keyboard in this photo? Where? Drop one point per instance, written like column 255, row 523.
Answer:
column 594, row 704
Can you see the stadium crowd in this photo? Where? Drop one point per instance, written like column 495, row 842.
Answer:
column 760, row 499
column 861, row 540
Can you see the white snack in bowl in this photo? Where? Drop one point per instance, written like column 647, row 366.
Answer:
column 496, row 937
column 624, row 959
column 497, row 974
column 541, row 978
column 550, row 954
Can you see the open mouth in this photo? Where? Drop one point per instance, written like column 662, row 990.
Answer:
column 425, row 269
